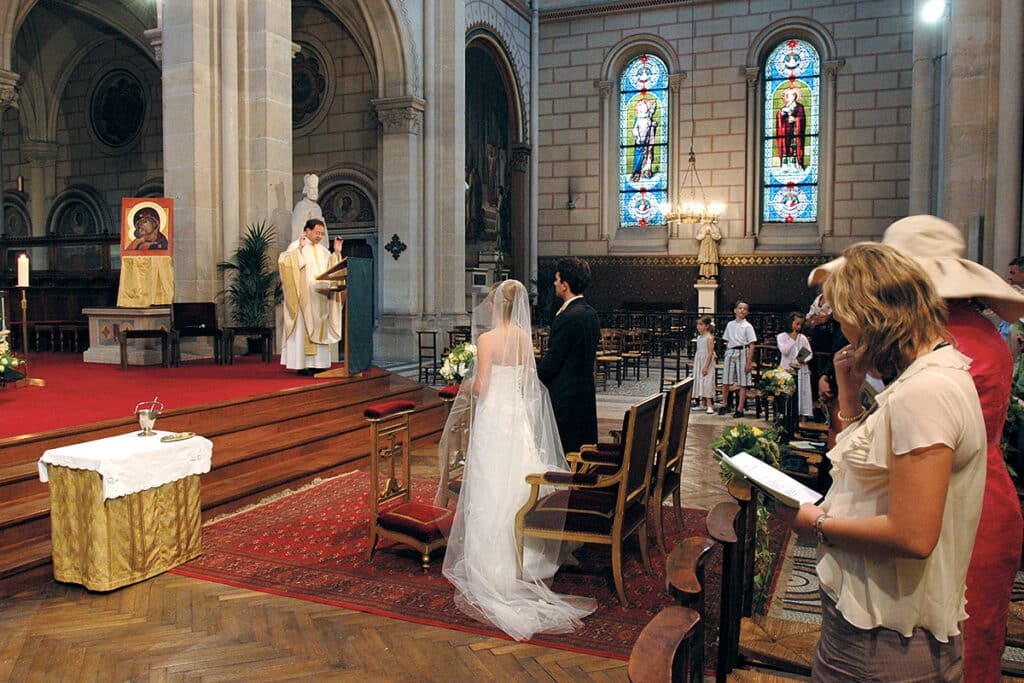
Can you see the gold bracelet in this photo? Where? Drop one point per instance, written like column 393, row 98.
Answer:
column 843, row 418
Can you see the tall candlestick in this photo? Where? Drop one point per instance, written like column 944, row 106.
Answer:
column 3, row 310
column 23, row 270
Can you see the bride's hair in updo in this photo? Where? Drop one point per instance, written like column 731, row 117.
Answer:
column 504, row 296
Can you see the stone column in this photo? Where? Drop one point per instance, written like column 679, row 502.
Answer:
column 42, row 181
column 520, row 183
column 1006, row 232
column 677, row 164
column 752, row 219
column 265, row 117
column 401, row 224
column 8, row 98
column 608, row 161
column 971, row 109
column 922, row 114
column 191, row 98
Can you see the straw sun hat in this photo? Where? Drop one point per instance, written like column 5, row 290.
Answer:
column 938, row 248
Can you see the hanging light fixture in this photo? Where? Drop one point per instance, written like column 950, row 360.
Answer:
column 692, row 205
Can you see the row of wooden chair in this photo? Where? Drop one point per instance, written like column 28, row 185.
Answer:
column 615, row 490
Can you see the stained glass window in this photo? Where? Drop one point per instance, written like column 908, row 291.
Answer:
column 643, row 142
column 791, row 122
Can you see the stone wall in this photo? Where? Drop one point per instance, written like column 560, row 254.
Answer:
column 81, row 160
column 346, row 136
column 872, row 113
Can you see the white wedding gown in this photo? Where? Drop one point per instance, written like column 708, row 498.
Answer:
column 504, row 447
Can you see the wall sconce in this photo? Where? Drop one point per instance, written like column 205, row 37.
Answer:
column 571, row 204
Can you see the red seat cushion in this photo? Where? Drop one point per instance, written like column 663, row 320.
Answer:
column 449, row 392
column 425, row 523
column 379, row 410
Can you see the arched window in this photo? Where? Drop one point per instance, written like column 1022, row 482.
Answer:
column 791, row 123
column 643, row 142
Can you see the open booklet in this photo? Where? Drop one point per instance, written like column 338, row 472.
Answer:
column 778, row 485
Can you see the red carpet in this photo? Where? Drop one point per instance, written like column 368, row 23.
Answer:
column 79, row 393
column 312, row 545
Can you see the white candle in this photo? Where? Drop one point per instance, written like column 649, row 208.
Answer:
column 23, row 270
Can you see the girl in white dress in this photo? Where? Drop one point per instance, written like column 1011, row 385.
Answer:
column 512, row 434
column 704, row 365
column 790, row 345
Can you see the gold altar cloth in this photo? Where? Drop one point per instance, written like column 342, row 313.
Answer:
column 105, row 544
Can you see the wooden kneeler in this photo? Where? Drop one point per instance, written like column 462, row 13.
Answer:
column 393, row 513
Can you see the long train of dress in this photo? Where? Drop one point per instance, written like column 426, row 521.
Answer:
column 504, row 447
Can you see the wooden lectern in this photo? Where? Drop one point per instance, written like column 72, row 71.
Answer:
column 337, row 275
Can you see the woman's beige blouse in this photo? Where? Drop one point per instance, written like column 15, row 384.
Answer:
column 933, row 401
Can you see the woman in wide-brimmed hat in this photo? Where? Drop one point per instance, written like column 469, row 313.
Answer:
column 968, row 287
column 897, row 526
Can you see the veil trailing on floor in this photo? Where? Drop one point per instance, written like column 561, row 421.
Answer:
column 512, row 433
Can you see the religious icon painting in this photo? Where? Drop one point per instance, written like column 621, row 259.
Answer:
column 147, row 226
column 790, row 133
column 643, row 141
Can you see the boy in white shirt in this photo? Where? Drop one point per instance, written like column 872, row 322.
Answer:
column 739, row 336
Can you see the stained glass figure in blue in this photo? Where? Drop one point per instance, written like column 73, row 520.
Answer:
column 643, row 141
column 791, row 120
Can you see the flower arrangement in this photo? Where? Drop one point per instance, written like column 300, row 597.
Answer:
column 777, row 382
column 459, row 362
column 8, row 361
column 763, row 444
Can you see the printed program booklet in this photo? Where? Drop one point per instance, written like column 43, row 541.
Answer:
column 776, row 484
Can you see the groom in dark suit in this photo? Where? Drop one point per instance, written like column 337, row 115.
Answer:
column 567, row 369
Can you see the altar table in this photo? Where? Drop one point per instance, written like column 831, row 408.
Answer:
column 124, row 508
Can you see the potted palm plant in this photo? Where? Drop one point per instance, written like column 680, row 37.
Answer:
column 253, row 286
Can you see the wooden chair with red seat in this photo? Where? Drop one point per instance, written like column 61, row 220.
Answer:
column 393, row 513
column 454, row 461
column 599, row 506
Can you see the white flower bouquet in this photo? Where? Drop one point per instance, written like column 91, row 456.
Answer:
column 459, row 362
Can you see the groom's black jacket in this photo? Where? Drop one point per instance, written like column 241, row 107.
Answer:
column 567, row 370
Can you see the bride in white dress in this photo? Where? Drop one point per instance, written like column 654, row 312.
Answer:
column 512, row 434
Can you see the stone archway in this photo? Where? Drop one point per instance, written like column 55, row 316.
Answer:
column 497, row 160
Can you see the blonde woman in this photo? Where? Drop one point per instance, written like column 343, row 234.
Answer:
column 897, row 527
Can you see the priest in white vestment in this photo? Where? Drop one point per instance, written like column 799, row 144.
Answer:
column 312, row 312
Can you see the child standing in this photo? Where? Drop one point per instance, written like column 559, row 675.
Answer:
column 704, row 365
column 739, row 361
column 796, row 353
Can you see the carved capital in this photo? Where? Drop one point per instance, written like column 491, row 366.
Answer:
column 155, row 36
column 399, row 114
column 604, row 88
column 39, row 153
column 752, row 74
column 520, row 162
column 9, row 86
column 675, row 82
column 831, row 68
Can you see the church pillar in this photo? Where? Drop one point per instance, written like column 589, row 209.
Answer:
column 1006, row 231
column 520, row 212
column 401, row 221
column 8, row 98
column 42, row 181
column 971, row 111
column 191, row 99
column 922, row 114
column 265, row 118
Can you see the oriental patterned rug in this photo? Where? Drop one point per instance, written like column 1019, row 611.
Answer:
column 312, row 545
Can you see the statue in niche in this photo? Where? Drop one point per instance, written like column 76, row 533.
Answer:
column 307, row 207
column 708, row 235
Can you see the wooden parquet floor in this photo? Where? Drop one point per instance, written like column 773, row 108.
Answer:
column 173, row 628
